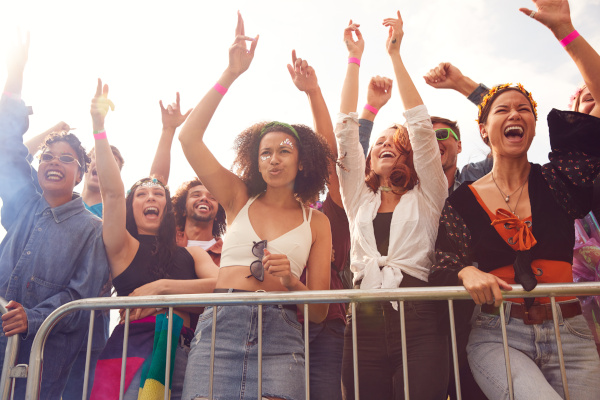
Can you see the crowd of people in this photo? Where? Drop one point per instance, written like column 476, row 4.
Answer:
column 396, row 214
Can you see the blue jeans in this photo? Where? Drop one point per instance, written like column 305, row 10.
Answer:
column 325, row 351
column 533, row 356
column 236, row 354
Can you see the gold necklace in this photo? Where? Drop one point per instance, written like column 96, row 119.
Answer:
column 506, row 197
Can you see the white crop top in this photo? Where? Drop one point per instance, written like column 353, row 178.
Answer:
column 295, row 244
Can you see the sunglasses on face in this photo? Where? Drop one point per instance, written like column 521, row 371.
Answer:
column 257, row 269
column 444, row 133
column 63, row 158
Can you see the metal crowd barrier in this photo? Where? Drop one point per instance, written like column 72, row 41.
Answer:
column 10, row 371
column 306, row 297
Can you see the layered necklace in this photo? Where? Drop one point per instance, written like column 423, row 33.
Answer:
column 506, row 197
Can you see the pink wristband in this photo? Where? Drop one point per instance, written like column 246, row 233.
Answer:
column 369, row 107
column 100, row 135
column 569, row 38
column 220, row 89
column 12, row 95
column 354, row 60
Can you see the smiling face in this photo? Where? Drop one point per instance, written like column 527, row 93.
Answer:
column 58, row 178
column 200, row 205
column 586, row 101
column 449, row 148
column 148, row 205
column 384, row 153
column 278, row 159
column 510, row 125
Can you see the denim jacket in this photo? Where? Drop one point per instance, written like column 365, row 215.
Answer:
column 49, row 256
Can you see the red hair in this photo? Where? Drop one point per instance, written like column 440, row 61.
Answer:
column 403, row 176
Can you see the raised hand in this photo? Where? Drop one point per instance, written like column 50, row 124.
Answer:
column 303, row 75
column 279, row 265
column 395, row 34
column 100, row 106
column 379, row 92
column 239, row 55
column 554, row 14
column 355, row 47
column 18, row 55
column 171, row 115
column 444, row 76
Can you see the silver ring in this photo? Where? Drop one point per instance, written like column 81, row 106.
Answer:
column 532, row 15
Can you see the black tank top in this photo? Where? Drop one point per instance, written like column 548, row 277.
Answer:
column 141, row 270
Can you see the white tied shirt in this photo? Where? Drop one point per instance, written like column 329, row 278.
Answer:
column 415, row 220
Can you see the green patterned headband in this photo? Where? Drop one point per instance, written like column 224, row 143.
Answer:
column 277, row 123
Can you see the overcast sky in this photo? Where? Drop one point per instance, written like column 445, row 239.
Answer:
column 149, row 50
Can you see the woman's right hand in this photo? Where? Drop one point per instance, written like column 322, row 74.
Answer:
column 240, row 57
column 379, row 92
column 100, row 106
column 395, row 34
column 355, row 47
column 484, row 288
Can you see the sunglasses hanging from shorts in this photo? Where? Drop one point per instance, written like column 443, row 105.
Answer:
column 63, row 158
column 444, row 133
column 257, row 269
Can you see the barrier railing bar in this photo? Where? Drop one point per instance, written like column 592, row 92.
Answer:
column 88, row 354
column 561, row 359
column 511, row 393
column 306, row 355
column 168, row 361
column 124, row 356
column 260, row 327
column 10, row 359
column 404, row 351
column 309, row 297
column 355, row 350
column 454, row 350
column 212, row 353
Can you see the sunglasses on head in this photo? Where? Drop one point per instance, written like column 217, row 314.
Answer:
column 444, row 133
column 63, row 158
column 257, row 269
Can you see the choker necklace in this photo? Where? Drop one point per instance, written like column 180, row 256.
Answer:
column 385, row 188
column 506, row 197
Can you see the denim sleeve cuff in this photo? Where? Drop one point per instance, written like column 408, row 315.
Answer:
column 33, row 324
column 477, row 95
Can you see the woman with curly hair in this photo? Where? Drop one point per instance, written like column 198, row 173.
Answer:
column 271, row 237
column 144, row 259
column 515, row 225
column 393, row 200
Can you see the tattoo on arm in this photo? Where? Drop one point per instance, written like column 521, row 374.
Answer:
column 394, row 41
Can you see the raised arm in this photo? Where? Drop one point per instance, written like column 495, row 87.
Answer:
column 33, row 144
column 305, row 79
column 227, row 188
column 118, row 242
column 408, row 92
column 378, row 94
column 171, row 120
column 355, row 51
column 556, row 16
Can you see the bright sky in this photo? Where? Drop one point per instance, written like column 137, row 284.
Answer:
column 149, row 50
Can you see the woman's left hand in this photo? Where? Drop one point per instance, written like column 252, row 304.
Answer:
column 279, row 265
column 150, row 289
column 303, row 75
column 137, row 313
column 555, row 14
column 171, row 115
column 395, row 34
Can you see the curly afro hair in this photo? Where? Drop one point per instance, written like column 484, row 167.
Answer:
column 72, row 141
column 313, row 153
column 179, row 200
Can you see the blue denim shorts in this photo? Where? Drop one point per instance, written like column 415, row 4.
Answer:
column 236, row 354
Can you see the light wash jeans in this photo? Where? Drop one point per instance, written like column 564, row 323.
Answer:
column 533, row 356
